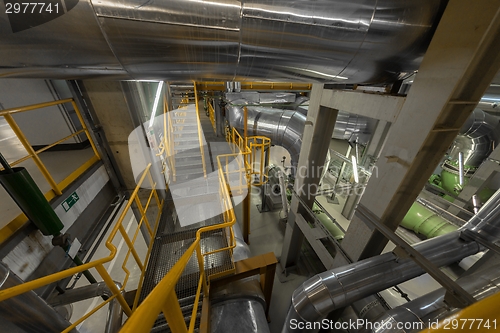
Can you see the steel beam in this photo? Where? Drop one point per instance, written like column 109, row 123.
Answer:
column 383, row 107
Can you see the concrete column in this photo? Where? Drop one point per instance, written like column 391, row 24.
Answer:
column 315, row 143
column 459, row 65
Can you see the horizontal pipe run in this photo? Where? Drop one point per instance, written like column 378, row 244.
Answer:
column 340, row 287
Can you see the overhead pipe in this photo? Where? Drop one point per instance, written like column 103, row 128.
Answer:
column 348, row 41
column 285, row 127
column 421, row 312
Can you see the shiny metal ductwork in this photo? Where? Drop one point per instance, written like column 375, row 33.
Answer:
column 359, row 41
column 342, row 286
column 28, row 311
column 476, row 139
column 417, row 314
column 353, row 128
column 285, row 127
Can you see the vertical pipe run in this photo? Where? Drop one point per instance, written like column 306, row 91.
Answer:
column 461, row 168
column 246, row 201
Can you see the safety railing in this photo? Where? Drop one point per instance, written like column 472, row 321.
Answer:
column 119, row 234
column 260, row 86
column 167, row 152
column 254, row 150
column 211, row 116
column 200, row 135
column 163, row 298
column 56, row 188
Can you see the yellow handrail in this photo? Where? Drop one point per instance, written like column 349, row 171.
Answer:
column 57, row 188
column 156, row 302
column 200, row 137
column 98, row 264
column 221, row 86
column 211, row 115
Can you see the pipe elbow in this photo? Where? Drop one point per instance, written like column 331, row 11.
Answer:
column 318, row 296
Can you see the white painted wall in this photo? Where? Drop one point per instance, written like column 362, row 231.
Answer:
column 41, row 127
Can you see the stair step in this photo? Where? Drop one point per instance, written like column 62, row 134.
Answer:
column 186, row 164
column 188, row 154
column 187, row 171
column 186, row 132
column 187, row 147
column 185, row 124
column 181, row 178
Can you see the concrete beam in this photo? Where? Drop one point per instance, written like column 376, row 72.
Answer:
column 383, row 107
column 318, row 131
column 458, row 67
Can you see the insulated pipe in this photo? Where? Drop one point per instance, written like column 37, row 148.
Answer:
column 486, row 221
column 475, row 138
column 431, row 307
column 348, row 41
column 334, row 230
column 28, row 311
column 425, row 222
column 285, row 127
column 340, row 287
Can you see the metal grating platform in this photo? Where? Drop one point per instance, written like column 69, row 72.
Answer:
column 170, row 244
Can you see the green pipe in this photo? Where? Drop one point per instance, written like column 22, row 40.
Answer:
column 24, row 191
column 425, row 222
column 328, row 223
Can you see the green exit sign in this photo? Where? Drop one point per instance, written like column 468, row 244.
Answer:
column 70, row 201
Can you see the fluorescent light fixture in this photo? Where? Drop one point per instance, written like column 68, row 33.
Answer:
column 355, row 168
column 155, row 104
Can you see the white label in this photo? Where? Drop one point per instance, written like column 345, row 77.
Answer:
column 75, row 247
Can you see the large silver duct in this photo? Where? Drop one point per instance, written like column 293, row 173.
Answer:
column 340, row 287
column 419, row 313
column 285, row 127
column 28, row 311
column 360, row 41
column 476, row 138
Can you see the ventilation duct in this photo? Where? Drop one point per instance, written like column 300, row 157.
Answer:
column 285, row 127
column 358, row 41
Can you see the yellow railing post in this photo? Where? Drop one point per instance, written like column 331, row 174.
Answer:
column 84, row 127
column 114, row 289
column 200, row 137
column 24, row 141
column 173, row 314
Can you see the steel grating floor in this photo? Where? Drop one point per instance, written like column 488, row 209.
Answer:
column 170, row 244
